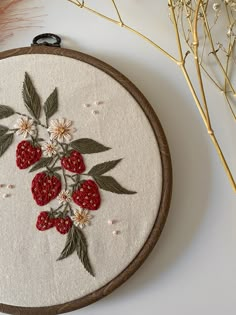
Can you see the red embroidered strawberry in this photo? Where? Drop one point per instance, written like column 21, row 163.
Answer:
column 87, row 196
column 73, row 163
column 27, row 154
column 63, row 225
column 45, row 221
column 45, row 188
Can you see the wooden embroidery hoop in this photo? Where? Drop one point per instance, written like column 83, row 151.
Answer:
column 54, row 49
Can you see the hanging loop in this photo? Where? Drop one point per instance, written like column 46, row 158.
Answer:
column 47, row 39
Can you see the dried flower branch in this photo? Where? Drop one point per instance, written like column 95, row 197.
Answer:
column 194, row 22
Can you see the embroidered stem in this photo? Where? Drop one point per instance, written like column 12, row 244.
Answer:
column 71, row 210
column 14, row 130
column 55, row 162
column 63, row 148
column 54, row 211
column 65, row 180
column 65, row 210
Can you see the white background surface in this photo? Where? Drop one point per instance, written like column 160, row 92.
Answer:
column 192, row 269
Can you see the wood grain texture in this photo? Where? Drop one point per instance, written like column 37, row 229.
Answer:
column 166, row 186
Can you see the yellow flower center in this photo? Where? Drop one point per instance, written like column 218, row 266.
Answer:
column 50, row 148
column 81, row 218
column 61, row 130
column 24, row 126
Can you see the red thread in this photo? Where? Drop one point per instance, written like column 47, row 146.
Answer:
column 27, row 154
column 87, row 196
column 63, row 225
column 73, row 163
column 45, row 221
column 45, row 188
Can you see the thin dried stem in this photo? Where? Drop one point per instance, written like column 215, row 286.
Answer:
column 196, row 58
column 210, row 131
column 118, row 13
column 181, row 57
column 230, row 106
column 181, row 63
column 126, row 27
column 214, row 51
column 211, row 79
column 202, row 107
column 223, row 161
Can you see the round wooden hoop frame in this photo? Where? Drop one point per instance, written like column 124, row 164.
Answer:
column 166, row 186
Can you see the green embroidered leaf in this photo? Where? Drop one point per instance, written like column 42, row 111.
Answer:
column 82, row 251
column 6, row 111
column 102, row 168
column 43, row 162
column 71, row 244
column 3, row 130
column 110, row 184
column 5, row 142
column 77, row 241
column 31, row 97
column 88, row 146
column 51, row 105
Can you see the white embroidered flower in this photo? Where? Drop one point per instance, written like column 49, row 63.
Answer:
column 61, row 130
column 64, row 197
column 81, row 218
column 25, row 127
column 49, row 148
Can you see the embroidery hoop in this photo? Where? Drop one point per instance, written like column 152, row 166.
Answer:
column 54, row 49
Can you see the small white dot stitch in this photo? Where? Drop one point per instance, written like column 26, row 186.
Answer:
column 110, row 222
column 98, row 103
column 10, row 186
column 115, row 232
column 4, row 196
column 95, row 112
column 87, row 105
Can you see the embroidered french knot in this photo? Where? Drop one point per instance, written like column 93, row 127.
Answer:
column 63, row 225
column 87, row 196
column 45, row 187
column 27, row 154
column 45, row 221
column 62, row 169
column 74, row 162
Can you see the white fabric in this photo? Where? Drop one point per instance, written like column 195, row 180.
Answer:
column 29, row 272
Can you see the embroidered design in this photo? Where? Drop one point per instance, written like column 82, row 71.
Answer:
column 62, row 175
column 87, row 196
column 45, row 187
column 64, row 197
column 63, row 224
column 10, row 186
column 6, row 194
column 61, row 130
column 25, row 127
column 81, row 218
column 49, row 148
column 94, row 104
column 73, row 162
column 27, row 154
column 115, row 232
column 45, row 221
